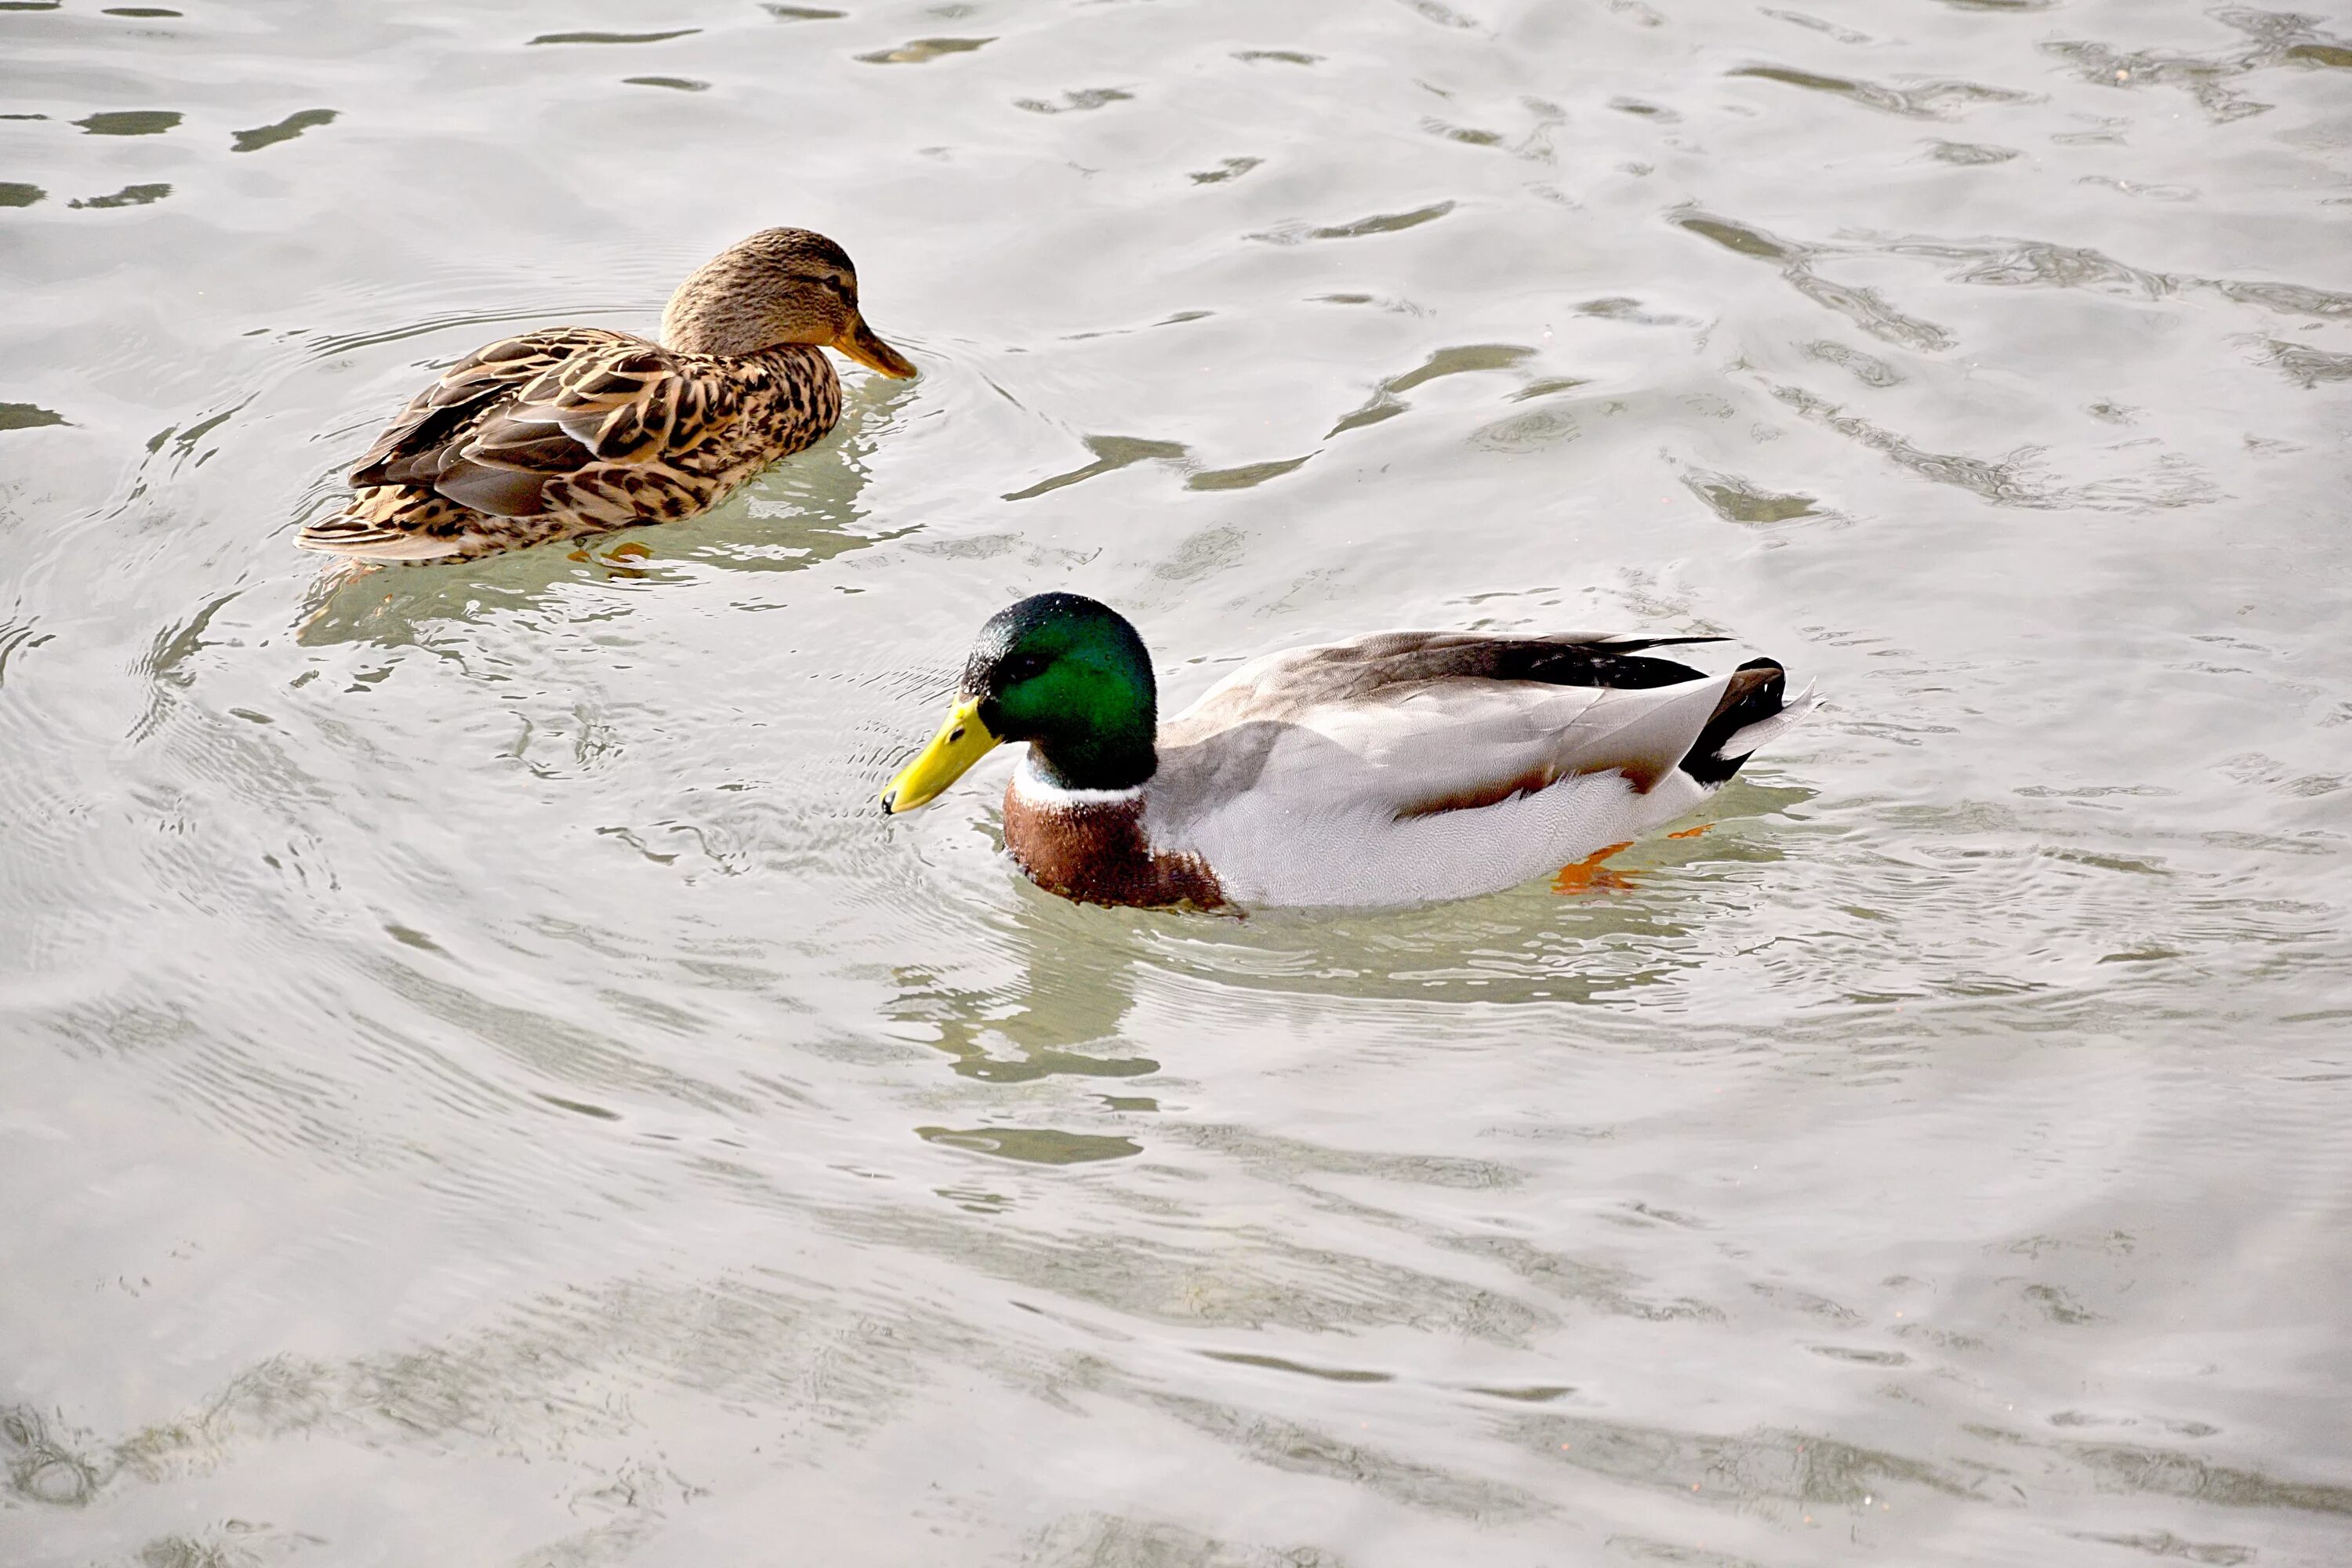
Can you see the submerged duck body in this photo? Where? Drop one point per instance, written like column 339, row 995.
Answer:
column 1397, row 768
column 577, row 430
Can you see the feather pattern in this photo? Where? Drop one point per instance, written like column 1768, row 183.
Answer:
column 1410, row 766
column 575, row 430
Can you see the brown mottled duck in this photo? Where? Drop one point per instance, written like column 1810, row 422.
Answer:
column 577, row 430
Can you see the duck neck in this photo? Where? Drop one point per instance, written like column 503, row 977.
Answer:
column 1102, row 760
column 1090, row 845
column 728, row 327
column 731, row 309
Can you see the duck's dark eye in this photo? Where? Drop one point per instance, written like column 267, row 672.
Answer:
column 1022, row 666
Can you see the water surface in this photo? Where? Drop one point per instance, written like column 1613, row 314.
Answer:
column 486, row 1086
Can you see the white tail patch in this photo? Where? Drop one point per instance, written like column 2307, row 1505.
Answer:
column 1764, row 731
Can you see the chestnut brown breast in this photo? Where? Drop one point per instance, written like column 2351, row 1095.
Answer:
column 1096, row 853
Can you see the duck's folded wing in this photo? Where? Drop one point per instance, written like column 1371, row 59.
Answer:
column 1414, row 724
column 443, row 418
column 1459, row 745
column 1363, row 668
column 499, row 426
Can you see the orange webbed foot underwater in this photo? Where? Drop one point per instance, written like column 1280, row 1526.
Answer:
column 1589, row 875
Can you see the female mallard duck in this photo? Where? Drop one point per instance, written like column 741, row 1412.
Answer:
column 577, row 430
column 1397, row 768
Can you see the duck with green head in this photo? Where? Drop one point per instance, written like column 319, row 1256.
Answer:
column 1394, row 768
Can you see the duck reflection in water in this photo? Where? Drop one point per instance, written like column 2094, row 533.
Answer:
column 1063, row 1015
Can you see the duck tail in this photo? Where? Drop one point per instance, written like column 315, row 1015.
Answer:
column 390, row 522
column 1755, row 711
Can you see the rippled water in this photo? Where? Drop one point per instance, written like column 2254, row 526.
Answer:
column 485, row 1086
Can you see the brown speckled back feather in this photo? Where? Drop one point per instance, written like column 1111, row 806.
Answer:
column 556, row 434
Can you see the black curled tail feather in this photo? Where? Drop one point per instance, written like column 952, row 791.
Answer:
column 1756, row 691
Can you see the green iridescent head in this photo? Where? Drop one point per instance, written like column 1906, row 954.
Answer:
column 1064, row 672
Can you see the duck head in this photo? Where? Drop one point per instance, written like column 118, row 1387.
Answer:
column 1064, row 672
column 781, row 286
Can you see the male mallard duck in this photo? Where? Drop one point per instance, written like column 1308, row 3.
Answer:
column 577, row 430
column 1397, row 768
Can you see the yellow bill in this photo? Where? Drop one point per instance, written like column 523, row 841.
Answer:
column 962, row 741
column 859, row 341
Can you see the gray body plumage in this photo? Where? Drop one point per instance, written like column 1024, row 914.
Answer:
column 1412, row 767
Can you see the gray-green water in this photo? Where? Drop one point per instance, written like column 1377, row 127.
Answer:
column 483, row 1086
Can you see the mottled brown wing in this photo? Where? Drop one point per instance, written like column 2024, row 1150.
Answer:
column 500, row 424
column 629, row 403
column 440, row 420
